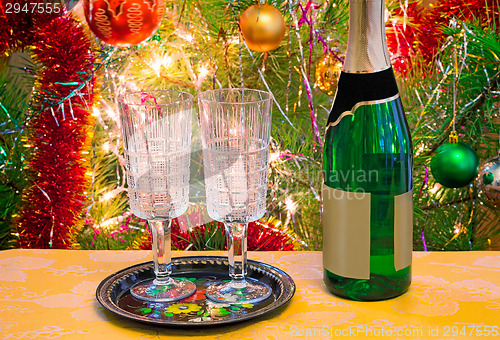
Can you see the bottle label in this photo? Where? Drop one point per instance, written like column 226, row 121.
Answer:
column 346, row 232
column 358, row 105
column 354, row 90
column 403, row 230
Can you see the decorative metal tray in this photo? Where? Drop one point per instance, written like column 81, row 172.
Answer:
column 196, row 310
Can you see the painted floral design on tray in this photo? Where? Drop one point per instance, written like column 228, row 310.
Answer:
column 194, row 308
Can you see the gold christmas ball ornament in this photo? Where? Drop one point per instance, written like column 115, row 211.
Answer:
column 327, row 74
column 263, row 27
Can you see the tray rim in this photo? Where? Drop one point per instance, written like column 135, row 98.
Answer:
column 281, row 300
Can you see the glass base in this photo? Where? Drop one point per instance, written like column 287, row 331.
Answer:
column 175, row 290
column 249, row 291
column 378, row 287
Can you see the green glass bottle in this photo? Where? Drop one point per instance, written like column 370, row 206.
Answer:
column 367, row 166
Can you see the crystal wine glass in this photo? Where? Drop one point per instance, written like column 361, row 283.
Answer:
column 156, row 129
column 235, row 129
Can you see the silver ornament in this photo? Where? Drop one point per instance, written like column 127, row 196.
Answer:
column 489, row 181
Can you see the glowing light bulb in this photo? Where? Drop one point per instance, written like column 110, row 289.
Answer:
column 109, row 195
column 273, row 157
column 291, row 206
column 435, row 188
column 106, row 146
column 204, row 71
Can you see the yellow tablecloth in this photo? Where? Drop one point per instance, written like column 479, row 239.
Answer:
column 50, row 294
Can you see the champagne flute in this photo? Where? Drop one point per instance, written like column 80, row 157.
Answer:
column 156, row 129
column 235, row 129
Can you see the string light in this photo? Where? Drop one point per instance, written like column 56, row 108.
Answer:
column 159, row 62
column 111, row 194
column 291, row 206
column 111, row 221
column 188, row 37
column 273, row 157
column 435, row 188
column 106, row 146
column 107, row 196
column 420, row 149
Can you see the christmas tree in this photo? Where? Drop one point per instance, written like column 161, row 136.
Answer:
column 445, row 57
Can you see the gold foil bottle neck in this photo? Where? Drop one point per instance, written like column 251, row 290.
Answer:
column 367, row 46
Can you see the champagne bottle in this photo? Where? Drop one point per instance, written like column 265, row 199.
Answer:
column 367, row 167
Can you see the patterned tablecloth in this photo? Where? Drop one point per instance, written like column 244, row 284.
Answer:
column 50, row 294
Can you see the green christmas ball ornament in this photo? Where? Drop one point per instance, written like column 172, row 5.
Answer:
column 488, row 178
column 454, row 165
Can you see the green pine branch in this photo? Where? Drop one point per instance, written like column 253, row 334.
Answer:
column 14, row 98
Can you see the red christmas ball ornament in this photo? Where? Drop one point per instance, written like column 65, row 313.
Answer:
column 124, row 23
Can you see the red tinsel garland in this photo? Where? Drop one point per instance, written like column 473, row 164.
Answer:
column 422, row 35
column 401, row 37
column 59, row 124
column 431, row 34
column 263, row 235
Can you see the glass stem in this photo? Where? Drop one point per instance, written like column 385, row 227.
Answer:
column 236, row 235
column 161, row 242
